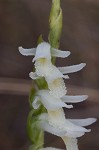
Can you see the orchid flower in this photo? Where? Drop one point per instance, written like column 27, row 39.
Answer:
column 44, row 67
column 49, row 101
column 67, row 129
column 43, row 54
column 55, row 122
column 52, row 103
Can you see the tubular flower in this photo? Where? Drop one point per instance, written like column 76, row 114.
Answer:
column 49, row 101
column 45, row 68
column 52, row 103
column 55, row 122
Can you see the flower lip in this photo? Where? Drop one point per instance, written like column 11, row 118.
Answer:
column 43, row 51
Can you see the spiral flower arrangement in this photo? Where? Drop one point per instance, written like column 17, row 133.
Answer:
column 49, row 96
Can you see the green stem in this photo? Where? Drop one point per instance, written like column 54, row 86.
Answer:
column 55, row 21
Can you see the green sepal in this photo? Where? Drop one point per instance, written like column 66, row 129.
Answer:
column 40, row 39
column 35, row 134
column 31, row 97
column 42, row 84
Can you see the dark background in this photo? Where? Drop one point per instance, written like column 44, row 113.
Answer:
column 21, row 22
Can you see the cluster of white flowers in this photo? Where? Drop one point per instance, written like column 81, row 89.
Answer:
column 54, row 98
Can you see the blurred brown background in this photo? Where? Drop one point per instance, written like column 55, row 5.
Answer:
column 21, row 22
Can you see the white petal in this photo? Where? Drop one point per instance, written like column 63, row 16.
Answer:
column 71, row 143
column 50, row 102
column 74, row 99
column 74, row 128
column 83, row 122
column 42, row 51
column 75, row 134
column 59, row 53
column 27, row 52
column 36, row 103
column 71, row 69
column 33, row 75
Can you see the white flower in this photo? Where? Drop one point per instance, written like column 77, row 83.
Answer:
column 44, row 46
column 44, row 67
column 68, row 129
column 50, row 102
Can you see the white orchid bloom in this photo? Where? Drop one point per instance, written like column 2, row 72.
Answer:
column 42, row 58
column 55, row 82
column 54, row 99
column 67, row 129
column 44, row 67
column 49, row 101
column 54, row 79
